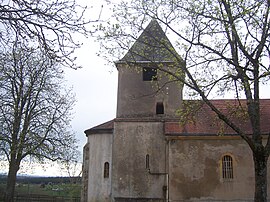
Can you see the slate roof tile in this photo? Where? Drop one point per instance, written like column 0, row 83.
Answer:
column 151, row 46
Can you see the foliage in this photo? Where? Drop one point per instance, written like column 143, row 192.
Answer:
column 35, row 109
column 203, row 38
column 225, row 46
column 48, row 24
column 70, row 165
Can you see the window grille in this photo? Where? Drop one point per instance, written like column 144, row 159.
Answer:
column 227, row 167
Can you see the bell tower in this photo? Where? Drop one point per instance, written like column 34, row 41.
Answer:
column 145, row 88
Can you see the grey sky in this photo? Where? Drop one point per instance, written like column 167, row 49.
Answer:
column 95, row 86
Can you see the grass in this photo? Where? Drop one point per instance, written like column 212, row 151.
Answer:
column 62, row 189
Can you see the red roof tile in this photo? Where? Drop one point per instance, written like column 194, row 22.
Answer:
column 205, row 122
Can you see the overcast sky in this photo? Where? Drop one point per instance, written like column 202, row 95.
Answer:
column 95, row 86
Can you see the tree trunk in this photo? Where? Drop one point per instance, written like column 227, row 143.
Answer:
column 260, row 165
column 11, row 181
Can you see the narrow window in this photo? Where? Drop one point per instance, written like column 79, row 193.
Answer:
column 227, row 167
column 147, row 161
column 149, row 74
column 160, row 108
column 106, row 169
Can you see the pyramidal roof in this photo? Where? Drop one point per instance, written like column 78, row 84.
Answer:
column 151, row 46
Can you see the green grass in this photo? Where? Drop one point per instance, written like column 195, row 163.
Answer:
column 61, row 189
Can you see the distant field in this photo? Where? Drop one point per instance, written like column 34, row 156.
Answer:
column 46, row 187
column 70, row 190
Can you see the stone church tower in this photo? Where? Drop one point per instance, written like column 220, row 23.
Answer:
column 146, row 98
column 131, row 148
column 145, row 155
column 144, row 90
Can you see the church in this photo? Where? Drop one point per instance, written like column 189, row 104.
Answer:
column 145, row 154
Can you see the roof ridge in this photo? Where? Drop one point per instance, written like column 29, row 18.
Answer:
column 151, row 45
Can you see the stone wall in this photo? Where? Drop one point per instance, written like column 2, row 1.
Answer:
column 138, row 98
column 195, row 170
column 131, row 177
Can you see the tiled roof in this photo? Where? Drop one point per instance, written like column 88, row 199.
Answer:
column 151, row 46
column 106, row 127
column 206, row 122
column 203, row 122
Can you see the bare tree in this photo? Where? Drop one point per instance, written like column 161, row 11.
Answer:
column 48, row 24
column 70, row 165
column 225, row 46
column 35, row 110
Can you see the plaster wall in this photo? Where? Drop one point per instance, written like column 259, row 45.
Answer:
column 100, row 151
column 195, row 170
column 132, row 142
column 138, row 98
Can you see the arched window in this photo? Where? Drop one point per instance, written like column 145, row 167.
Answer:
column 227, row 167
column 160, row 108
column 106, row 169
